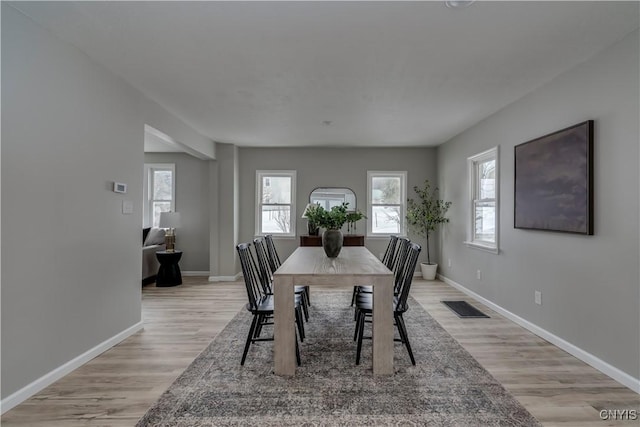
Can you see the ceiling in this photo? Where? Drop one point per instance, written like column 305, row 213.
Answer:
column 335, row 73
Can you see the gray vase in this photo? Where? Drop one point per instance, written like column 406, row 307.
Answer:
column 332, row 242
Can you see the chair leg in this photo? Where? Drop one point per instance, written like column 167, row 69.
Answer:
column 258, row 328
column 357, row 320
column 360, row 334
column 353, row 297
column 297, row 351
column 305, row 305
column 402, row 328
column 249, row 338
column 300, row 323
column 306, row 290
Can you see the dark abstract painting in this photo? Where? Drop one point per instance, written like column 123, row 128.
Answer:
column 554, row 181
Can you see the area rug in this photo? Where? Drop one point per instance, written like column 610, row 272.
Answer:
column 447, row 387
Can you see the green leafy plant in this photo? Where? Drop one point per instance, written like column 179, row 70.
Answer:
column 352, row 218
column 314, row 215
column 335, row 218
column 426, row 212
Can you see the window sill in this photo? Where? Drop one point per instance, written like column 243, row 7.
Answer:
column 482, row 247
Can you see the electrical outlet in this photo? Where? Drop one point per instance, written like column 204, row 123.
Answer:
column 449, row 263
column 479, row 275
column 538, row 297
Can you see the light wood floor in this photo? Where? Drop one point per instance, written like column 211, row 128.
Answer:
column 116, row 388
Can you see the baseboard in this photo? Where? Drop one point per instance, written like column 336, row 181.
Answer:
column 195, row 273
column 53, row 376
column 599, row 364
column 225, row 278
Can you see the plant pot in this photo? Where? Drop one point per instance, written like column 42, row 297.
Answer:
column 428, row 270
column 313, row 229
column 332, row 242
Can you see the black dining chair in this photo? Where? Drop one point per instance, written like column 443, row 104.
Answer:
column 387, row 259
column 274, row 263
column 260, row 304
column 266, row 274
column 395, row 258
column 364, row 307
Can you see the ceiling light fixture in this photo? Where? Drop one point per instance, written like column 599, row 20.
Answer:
column 458, row 4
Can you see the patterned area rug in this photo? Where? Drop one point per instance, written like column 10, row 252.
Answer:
column 447, row 387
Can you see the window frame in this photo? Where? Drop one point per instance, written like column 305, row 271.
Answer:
column 258, row 210
column 149, row 169
column 474, row 185
column 403, row 204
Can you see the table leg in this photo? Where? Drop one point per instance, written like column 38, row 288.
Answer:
column 383, row 326
column 284, row 334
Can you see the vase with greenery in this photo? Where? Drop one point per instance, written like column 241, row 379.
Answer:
column 424, row 214
column 313, row 213
column 332, row 221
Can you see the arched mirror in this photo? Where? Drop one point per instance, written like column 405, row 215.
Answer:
column 328, row 197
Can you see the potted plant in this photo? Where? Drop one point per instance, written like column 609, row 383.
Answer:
column 352, row 218
column 423, row 216
column 332, row 221
column 313, row 213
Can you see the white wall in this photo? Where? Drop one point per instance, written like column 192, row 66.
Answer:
column 71, row 260
column 589, row 284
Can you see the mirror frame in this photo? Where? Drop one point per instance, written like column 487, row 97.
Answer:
column 352, row 206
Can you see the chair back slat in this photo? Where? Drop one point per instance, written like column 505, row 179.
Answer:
column 274, row 259
column 250, row 274
column 400, row 259
column 264, row 270
column 387, row 258
column 408, row 271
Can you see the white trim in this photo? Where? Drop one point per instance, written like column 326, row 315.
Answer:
column 486, row 248
column 599, row 364
column 258, row 211
column 403, row 201
column 492, row 153
column 147, row 191
column 195, row 273
column 46, row 380
column 225, row 278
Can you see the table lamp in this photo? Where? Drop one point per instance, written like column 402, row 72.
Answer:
column 170, row 221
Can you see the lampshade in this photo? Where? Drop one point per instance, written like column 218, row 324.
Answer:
column 170, row 220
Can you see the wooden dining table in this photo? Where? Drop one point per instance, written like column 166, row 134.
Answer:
column 353, row 266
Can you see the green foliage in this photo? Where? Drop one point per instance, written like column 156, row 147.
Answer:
column 333, row 219
column 314, row 214
column 427, row 212
column 352, row 218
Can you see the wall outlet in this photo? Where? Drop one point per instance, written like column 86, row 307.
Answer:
column 538, row 297
column 449, row 263
column 479, row 275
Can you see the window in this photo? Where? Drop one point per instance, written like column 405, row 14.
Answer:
column 387, row 203
column 275, row 201
column 483, row 184
column 159, row 191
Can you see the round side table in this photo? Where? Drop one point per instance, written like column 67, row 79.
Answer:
column 169, row 271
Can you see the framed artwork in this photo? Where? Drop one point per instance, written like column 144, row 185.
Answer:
column 554, row 181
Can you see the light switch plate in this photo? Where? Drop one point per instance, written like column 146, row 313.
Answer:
column 127, row 207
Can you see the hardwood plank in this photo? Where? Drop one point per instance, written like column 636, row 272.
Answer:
column 117, row 387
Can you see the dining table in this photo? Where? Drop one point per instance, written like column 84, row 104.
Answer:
column 354, row 266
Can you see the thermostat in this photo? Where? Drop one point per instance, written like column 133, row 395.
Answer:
column 119, row 187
